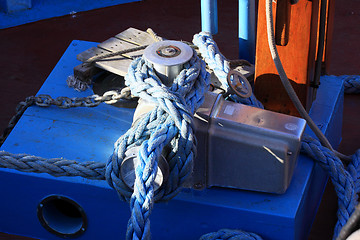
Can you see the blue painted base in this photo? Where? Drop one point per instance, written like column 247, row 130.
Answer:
column 84, row 134
column 9, row 6
column 43, row 9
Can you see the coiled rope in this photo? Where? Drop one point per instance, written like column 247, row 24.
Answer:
column 169, row 123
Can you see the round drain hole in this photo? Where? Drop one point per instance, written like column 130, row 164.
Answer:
column 62, row 216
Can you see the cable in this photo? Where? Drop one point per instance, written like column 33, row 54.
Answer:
column 289, row 89
column 321, row 46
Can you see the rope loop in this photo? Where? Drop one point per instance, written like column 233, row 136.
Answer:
column 170, row 123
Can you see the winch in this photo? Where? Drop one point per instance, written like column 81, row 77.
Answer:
column 239, row 146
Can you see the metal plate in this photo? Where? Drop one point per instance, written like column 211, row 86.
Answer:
column 136, row 36
column 127, row 39
column 118, row 65
column 115, row 45
column 246, row 147
column 91, row 52
column 253, row 157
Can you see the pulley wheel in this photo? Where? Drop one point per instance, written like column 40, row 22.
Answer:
column 238, row 84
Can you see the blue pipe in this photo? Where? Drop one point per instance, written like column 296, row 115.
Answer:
column 247, row 30
column 209, row 16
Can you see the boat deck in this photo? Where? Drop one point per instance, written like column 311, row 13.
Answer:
column 29, row 52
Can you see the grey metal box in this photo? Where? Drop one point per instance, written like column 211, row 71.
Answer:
column 245, row 147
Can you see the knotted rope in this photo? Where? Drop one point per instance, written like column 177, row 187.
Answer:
column 220, row 65
column 169, row 123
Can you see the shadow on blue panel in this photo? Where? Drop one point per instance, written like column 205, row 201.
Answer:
column 43, row 9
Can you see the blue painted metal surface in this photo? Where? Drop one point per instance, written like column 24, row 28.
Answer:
column 86, row 134
column 9, row 6
column 334, row 86
column 209, row 16
column 43, row 9
column 247, row 30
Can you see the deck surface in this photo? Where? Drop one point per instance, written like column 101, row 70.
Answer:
column 28, row 57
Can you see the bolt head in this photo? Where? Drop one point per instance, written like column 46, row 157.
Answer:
column 168, row 51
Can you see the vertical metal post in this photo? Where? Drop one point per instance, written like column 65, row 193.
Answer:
column 209, row 16
column 247, row 30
